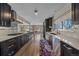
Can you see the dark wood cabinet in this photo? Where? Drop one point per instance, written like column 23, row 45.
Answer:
column 75, row 13
column 3, row 49
column 25, row 38
column 5, row 14
column 13, row 15
column 0, row 15
column 22, row 40
column 8, row 47
column 0, row 49
column 44, row 27
column 11, row 46
column 19, row 44
column 67, row 50
column 48, row 23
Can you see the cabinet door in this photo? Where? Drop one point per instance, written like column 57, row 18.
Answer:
column 44, row 28
column 67, row 50
column 4, row 50
column 9, row 47
column 0, row 15
column 13, row 15
column 5, row 14
column 75, row 13
column 0, row 49
column 18, row 42
column 12, row 46
column 23, row 40
column 48, row 24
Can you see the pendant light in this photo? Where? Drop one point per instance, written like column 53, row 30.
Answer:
column 36, row 12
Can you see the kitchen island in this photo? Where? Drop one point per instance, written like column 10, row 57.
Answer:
column 70, row 38
column 69, row 43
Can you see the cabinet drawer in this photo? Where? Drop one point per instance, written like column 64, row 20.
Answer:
column 12, row 42
column 11, row 46
column 0, row 49
column 11, row 53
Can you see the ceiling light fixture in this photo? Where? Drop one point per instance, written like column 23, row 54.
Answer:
column 36, row 12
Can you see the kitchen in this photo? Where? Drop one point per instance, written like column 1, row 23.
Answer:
column 23, row 26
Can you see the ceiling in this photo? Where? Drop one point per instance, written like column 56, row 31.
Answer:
column 45, row 10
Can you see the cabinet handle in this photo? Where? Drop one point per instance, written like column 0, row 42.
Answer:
column 5, row 23
column 10, row 46
column 11, row 40
column 67, row 47
column 11, row 53
column 2, row 23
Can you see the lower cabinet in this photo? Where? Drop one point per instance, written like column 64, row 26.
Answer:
column 8, row 47
column 22, row 40
column 67, row 50
column 19, row 44
column 11, row 46
column 0, row 49
column 3, row 49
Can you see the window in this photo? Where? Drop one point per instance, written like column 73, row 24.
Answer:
column 67, row 24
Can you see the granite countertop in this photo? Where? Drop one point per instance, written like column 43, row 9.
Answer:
column 6, row 37
column 70, row 38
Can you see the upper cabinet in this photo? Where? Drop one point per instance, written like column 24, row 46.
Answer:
column 5, row 14
column 75, row 13
column 48, row 23
column 13, row 15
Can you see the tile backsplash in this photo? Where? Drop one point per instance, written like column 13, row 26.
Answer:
column 75, row 28
column 4, row 30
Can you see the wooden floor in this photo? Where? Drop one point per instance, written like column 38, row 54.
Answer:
column 30, row 49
